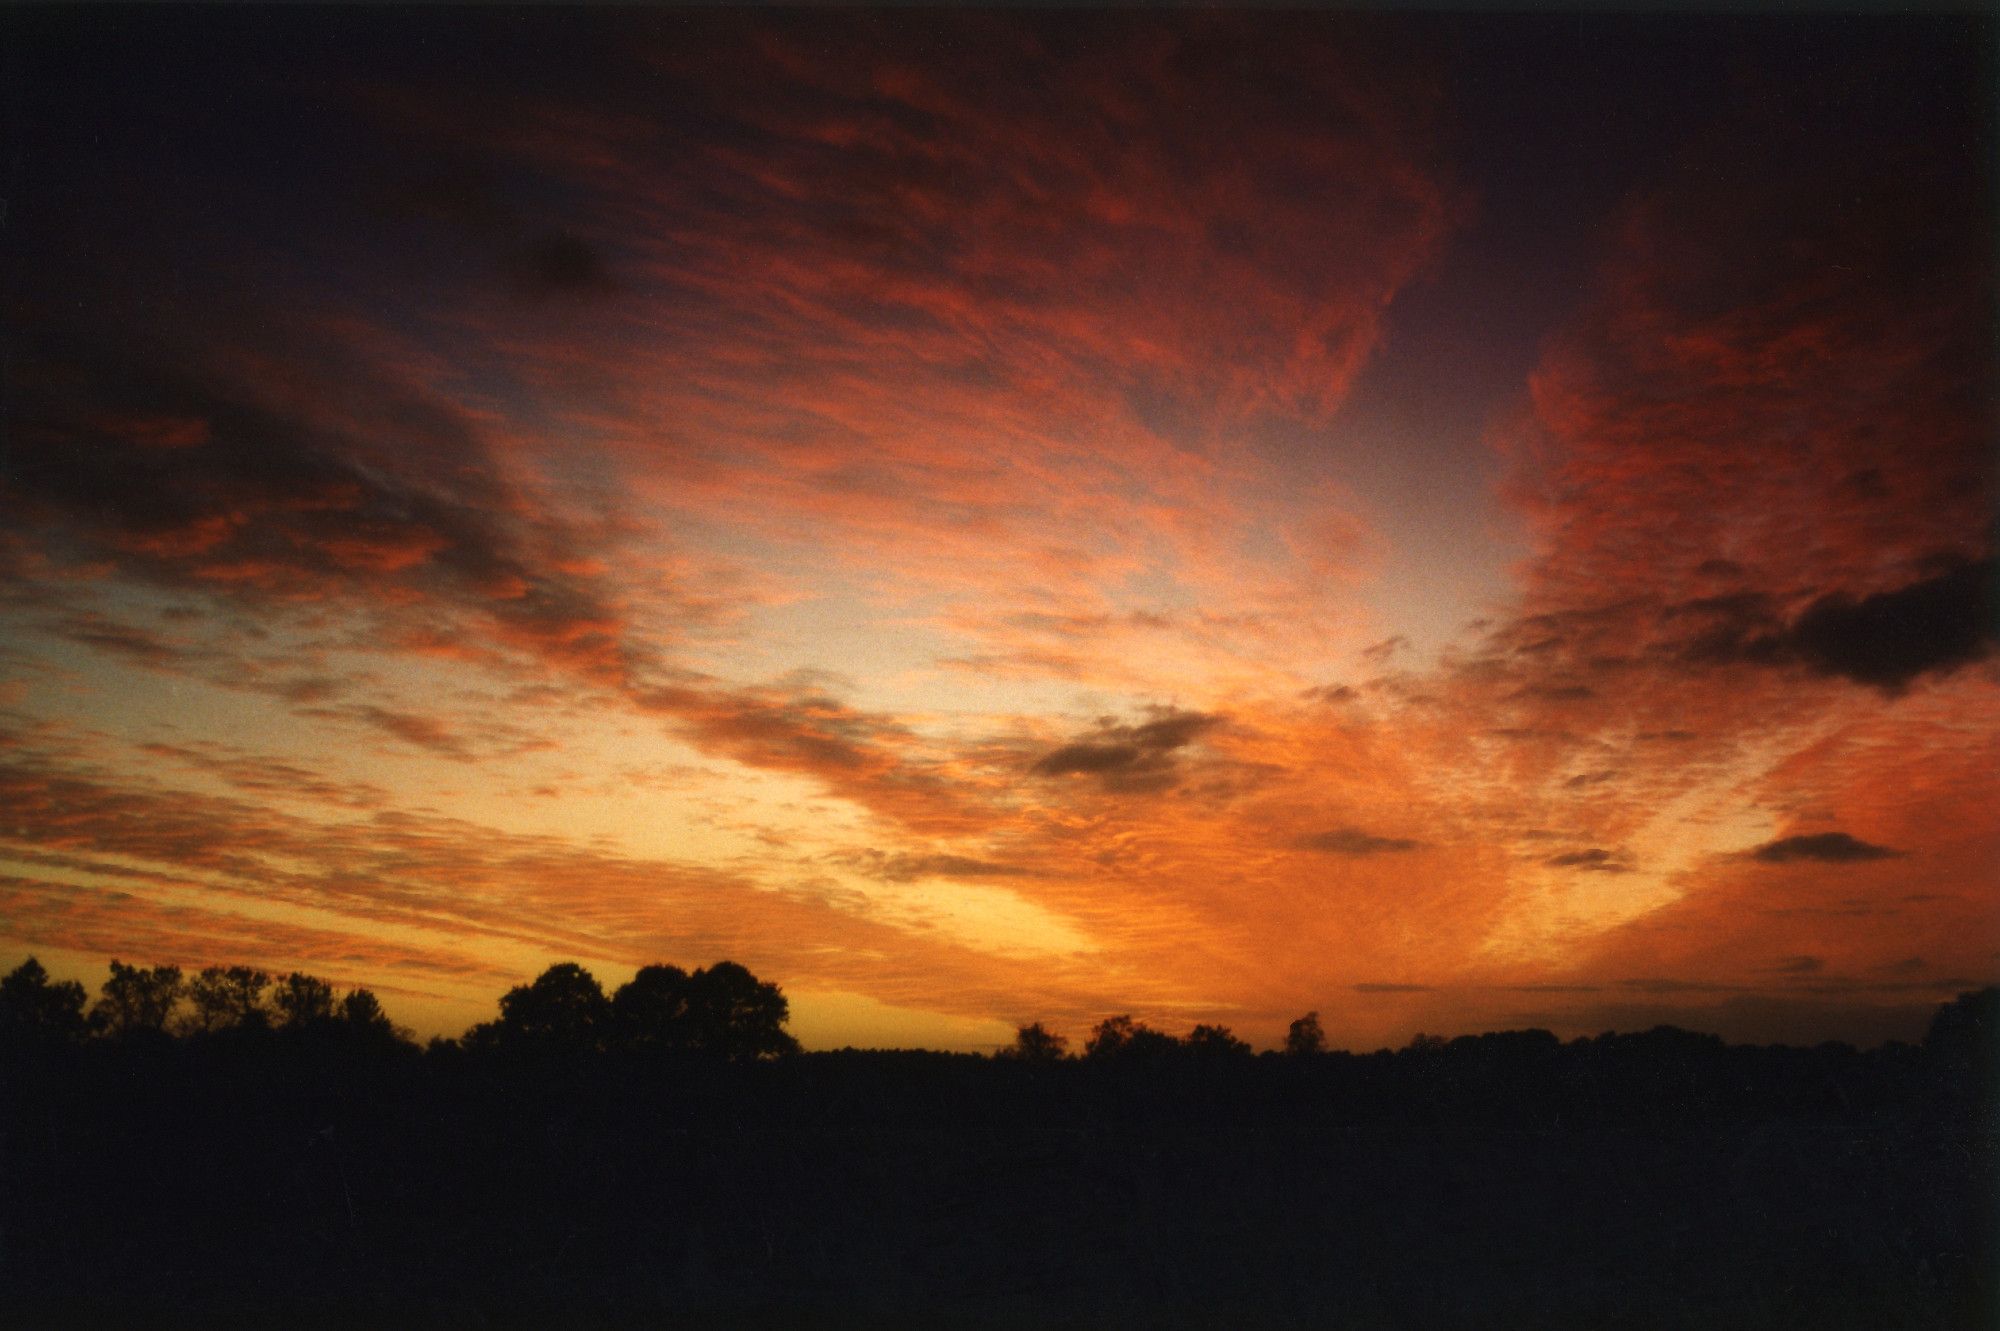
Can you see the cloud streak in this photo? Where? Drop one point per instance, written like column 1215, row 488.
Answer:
column 1823, row 848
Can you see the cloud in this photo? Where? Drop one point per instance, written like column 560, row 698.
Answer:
column 1762, row 441
column 129, row 641
column 1379, row 653
column 426, row 732
column 1596, row 860
column 307, row 487
column 905, row 866
column 269, row 778
column 1823, row 847
column 1129, row 758
column 1375, row 988
column 1888, row 639
column 872, row 758
column 1354, row 841
column 449, row 903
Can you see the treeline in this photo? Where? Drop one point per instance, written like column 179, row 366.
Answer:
column 140, row 1003
column 725, row 1013
column 212, row 1150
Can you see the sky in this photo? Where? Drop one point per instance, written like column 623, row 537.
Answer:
column 986, row 517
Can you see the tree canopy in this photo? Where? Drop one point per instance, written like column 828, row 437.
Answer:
column 1305, row 1037
column 1035, row 1043
column 721, row 1011
column 35, row 1008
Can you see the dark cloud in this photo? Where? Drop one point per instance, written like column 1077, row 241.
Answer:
column 363, row 491
column 1557, row 692
column 1885, row 641
column 1128, row 758
column 1737, row 606
column 1801, row 965
column 904, row 868
column 1355, row 842
column 129, row 641
column 1373, row 988
column 1331, row 693
column 1596, row 860
column 1825, row 847
column 1889, row 639
column 1074, row 759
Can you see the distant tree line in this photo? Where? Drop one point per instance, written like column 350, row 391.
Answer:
column 1122, row 1038
column 158, row 1002
column 720, row 1013
column 235, row 1148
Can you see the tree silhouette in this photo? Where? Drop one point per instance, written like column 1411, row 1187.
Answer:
column 1305, row 1037
column 34, row 1009
column 650, row 1011
column 137, row 1000
column 564, row 1008
column 734, row 1015
column 1121, row 1037
column 1214, row 1042
column 1037, row 1044
column 223, row 997
column 302, row 1001
column 1964, row 1039
column 362, row 1011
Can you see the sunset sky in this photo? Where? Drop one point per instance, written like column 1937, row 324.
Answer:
column 1453, row 523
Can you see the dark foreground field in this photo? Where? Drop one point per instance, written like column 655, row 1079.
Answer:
column 1660, row 1180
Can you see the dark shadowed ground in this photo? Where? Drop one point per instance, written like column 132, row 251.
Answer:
column 1651, row 1181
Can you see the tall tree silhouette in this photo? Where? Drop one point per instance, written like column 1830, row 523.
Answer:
column 34, row 1009
column 563, row 1009
column 1036, row 1044
column 302, row 1000
column 649, row 1012
column 1305, row 1037
column 362, row 1011
column 1122, row 1037
column 221, row 997
column 137, row 1000
column 1215, row 1042
column 732, row 1014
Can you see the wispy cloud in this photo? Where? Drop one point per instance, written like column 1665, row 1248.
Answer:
column 1354, row 841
